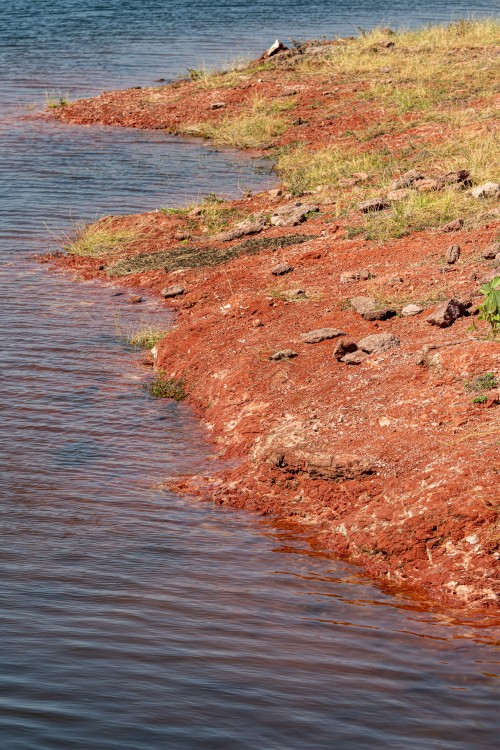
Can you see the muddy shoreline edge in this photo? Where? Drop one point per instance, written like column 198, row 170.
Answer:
column 387, row 461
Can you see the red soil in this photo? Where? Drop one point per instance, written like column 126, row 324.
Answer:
column 425, row 517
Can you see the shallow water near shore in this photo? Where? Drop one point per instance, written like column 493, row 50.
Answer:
column 131, row 618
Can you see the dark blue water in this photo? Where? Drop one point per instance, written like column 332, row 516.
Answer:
column 131, row 618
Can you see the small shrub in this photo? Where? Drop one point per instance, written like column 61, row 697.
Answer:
column 485, row 382
column 489, row 309
column 164, row 387
column 482, row 399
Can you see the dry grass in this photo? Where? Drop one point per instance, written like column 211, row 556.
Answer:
column 99, row 239
column 255, row 127
column 145, row 337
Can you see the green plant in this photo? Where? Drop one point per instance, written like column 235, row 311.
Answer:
column 489, row 309
column 482, row 399
column 55, row 100
column 164, row 387
column 99, row 238
column 485, row 382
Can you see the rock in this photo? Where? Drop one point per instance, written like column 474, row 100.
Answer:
column 218, row 105
column 453, row 226
column 275, row 193
column 487, row 190
column 354, row 358
column 344, row 347
column 410, row 310
column 281, row 269
column 183, row 235
column 346, row 277
column 491, row 251
column 453, row 254
column 428, row 185
column 134, row 299
column 398, row 195
column 368, row 309
column 327, row 466
column 386, row 44
column 244, row 228
column 292, row 214
column 321, row 334
column 275, row 49
column 283, row 354
column 378, row 342
column 374, row 204
column 461, row 177
column 447, row 313
column 406, row 180
column 172, row 291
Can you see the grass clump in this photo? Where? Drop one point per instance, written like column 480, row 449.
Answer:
column 55, row 100
column 100, row 238
column 164, row 387
column 145, row 337
column 255, row 127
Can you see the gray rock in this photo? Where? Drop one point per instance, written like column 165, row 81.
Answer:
column 374, row 204
column 321, row 334
column 453, row 254
column 354, row 358
column 461, row 177
column 398, row 195
column 292, row 214
column 453, row 226
column 447, row 313
column 491, row 251
column 344, row 347
column 369, row 310
column 346, row 277
column 410, row 310
column 378, row 342
column 283, row 354
column 487, row 190
column 406, row 180
column 172, row 291
column 218, row 105
column 281, row 269
column 244, row 228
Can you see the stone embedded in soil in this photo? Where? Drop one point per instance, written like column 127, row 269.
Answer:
column 461, row 178
column 453, row 226
column 172, row 291
column 379, row 342
column 410, row 310
column 244, row 228
column 369, row 310
column 218, row 105
column 487, row 190
column 428, row 185
column 346, row 277
column 354, row 358
column 344, row 347
column 275, row 49
column 321, row 334
column 283, row 354
column 491, row 252
column 134, row 299
column 447, row 313
column 398, row 195
column 374, row 204
column 292, row 214
column 453, row 254
column 281, row 269
column 327, row 466
column 406, row 180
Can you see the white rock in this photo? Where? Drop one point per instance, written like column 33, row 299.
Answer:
column 411, row 310
column 487, row 190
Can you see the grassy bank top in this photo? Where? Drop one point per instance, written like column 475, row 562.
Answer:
column 347, row 116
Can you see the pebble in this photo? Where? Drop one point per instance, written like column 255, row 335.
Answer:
column 321, row 334
column 281, row 269
column 410, row 310
column 172, row 291
column 283, row 354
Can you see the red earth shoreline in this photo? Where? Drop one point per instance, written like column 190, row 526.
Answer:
column 387, row 464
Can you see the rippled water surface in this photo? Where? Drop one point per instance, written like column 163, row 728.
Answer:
column 131, row 618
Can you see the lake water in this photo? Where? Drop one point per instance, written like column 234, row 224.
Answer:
column 130, row 618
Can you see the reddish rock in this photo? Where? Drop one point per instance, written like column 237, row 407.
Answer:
column 281, row 269
column 447, row 313
column 374, row 204
column 453, row 254
column 344, row 346
column 321, row 334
